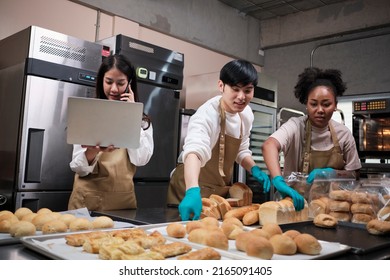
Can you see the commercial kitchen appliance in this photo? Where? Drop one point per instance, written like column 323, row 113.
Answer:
column 39, row 70
column 160, row 79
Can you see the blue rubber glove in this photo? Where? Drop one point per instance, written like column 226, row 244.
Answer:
column 191, row 204
column 324, row 173
column 286, row 190
column 261, row 177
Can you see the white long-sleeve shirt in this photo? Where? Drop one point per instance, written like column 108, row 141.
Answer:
column 138, row 157
column 204, row 128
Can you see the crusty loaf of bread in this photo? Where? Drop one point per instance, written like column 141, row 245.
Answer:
column 241, row 194
column 281, row 212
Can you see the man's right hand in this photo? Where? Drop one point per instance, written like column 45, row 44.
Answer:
column 191, row 204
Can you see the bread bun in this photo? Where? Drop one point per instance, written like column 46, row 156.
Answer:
column 54, row 226
column 22, row 228
column 102, row 222
column 341, row 216
column 5, row 215
column 176, row 230
column 240, row 212
column 210, row 209
column 259, row 247
column 5, row 225
column 307, row 244
column 251, row 218
column 210, row 221
column 191, row 225
column 29, row 217
column 80, row 224
column 231, row 230
column 360, row 218
column 316, row 207
column 362, row 208
column 283, row 244
column 340, row 195
column 67, row 218
column 44, row 211
column 292, row 233
column 212, row 238
column 260, row 232
column 325, row 221
column 20, row 212
column 339, row 206
column 233, row 220
column 41, row 219
column 272, row 229
column 378, row 227
column 361, row 197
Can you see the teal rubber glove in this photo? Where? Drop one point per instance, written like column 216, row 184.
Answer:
column 324, row 173
column 191, row 204
column 261, row 177
column 286, row 190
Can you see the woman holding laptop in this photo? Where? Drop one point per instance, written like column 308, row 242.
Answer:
column 104, row 175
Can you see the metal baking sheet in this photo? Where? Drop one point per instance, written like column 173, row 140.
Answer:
column 54, row 246
column 353, row 235
column 329, row 249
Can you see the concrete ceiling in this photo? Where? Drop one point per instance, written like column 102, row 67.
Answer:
column 267, row 9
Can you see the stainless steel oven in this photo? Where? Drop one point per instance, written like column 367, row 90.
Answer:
column 371, row 130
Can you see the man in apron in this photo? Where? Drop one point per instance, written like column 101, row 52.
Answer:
column 218, row 135
column 313, row 144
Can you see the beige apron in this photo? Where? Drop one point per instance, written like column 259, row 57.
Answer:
column 320, row 159
column 215, row 177
column 109, row 187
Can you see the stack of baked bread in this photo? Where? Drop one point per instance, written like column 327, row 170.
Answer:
column 240, row 195
column 25, row 222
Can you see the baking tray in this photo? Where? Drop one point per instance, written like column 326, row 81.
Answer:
column 329, row 249
column 353, row 235
column 54, row 247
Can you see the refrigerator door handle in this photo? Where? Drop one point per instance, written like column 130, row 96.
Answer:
column 34, row 155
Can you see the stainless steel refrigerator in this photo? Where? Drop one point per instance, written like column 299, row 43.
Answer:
column 39, row 70
column 160, row 79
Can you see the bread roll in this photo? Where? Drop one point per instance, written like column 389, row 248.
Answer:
column 191, row 225
column 283, row 244
column 242, row 239
column 259, row 247
column 20, row 212
column 325, row 221
column 176, row 230
column 361, row 197
column 251, row 218
column 22, row 228
column 341, row 216
column 316, row 207
column 377, row 227
column 210, row 221
column 80, row 224
column 340, row 195
column 339, row 206
column 102, row 222
column 5, row 225
column 5, row 215
column 240, row 212
column 272, row 229
column 29, row 217
column 362, row 208
column 41, row 219
column 260, row 232
column 212, row 238
column 360, row 218
column 307, row 244
column 231, row 230
column 44, row 211
column 54, row 226
column 233, row 220
column 67, row 218
column 292, row 233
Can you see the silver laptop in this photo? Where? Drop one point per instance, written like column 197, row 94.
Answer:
column 101, row 122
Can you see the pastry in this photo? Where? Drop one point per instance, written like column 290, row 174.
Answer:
column 172, row 249
column 201, row 254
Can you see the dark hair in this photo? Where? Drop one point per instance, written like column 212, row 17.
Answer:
column 238, row 72
column 313, row 77
column 121, row 63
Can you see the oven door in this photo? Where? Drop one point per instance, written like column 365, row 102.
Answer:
column 372, row 135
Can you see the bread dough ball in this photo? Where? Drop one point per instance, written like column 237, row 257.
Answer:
column 54, row 226
column 80, row 224
column 21, row 212
column 103, row 222
column 22, row 228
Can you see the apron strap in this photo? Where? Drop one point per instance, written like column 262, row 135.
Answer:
column 306, row 151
